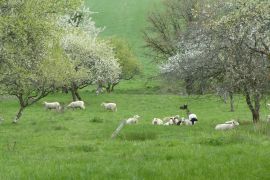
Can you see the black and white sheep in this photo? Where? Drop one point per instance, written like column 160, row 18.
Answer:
column 191, row 116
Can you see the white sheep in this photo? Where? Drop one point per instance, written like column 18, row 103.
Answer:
column 157, row 121
column 133, row 120
column 76, row 104
column 170, row 122
column 52, row 105
column 231, row 121
column 186, row 122
column 225, row 126
column 109, row 106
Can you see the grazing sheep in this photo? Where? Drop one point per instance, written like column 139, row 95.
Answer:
column 226, row 126
column 109, row 106
column 133, row 120
column 52, row 105
column 157, row 121
column 76, row 104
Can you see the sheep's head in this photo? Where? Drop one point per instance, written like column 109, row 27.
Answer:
column 44, row 102
column 136, row 116
column 102, row 104
column 185, row 106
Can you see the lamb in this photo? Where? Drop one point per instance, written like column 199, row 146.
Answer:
column 157, row 121
column 226, row 126
column 109, row 106
column 52, row 105
column 76, row 104
column 133, row 120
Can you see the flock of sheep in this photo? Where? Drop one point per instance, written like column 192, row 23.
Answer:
column 173, row 120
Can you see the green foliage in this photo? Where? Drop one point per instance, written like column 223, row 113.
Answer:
column 30, row 52
column 126, row 58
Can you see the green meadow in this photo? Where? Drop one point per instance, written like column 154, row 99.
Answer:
column 77, row 144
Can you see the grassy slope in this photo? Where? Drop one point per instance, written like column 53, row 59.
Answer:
column 71, row 145
column 126, row 19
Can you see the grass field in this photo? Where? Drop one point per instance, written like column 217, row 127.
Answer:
column 77, row 145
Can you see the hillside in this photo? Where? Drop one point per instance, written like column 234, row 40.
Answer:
column 125, row 19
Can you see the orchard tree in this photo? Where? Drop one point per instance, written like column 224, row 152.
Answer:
column 32, row 63
column 233, row 50
column 127, row 60
column 93, row 58
column 167, row 25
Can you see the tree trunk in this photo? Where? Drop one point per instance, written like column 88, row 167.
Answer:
column 108, row 88
column 73, row 94
column 255, row 116
column 231, row 101
column 19, row 114
column 113, row 85
column 78, row 95
column 255, row 111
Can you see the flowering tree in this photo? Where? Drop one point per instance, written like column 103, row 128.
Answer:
column 32, row 63
column 93, row 59
column 231, row 49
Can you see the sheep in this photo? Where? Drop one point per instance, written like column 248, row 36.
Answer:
column 109, row 106
column 52, row 105
column 226, row 126
column 231, row 121
column 192, row 117
column 76, row 104
column 186, row 122
column 157, row 121
column 133, row 120
column 169, row 122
